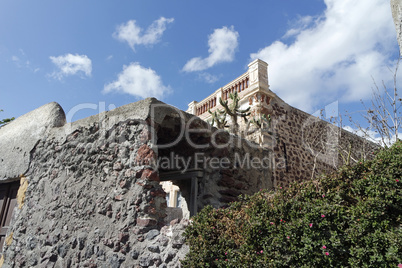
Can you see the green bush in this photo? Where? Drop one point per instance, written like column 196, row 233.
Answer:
column 350, row 219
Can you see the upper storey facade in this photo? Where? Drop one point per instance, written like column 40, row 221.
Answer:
column 252, row 88
column 301, row 145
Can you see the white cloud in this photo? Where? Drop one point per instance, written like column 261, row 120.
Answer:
column 70, row 64
column 131, row 33
column 22, row 61
column 367, row 134
column 209, row 78
column 333, row 56
column 222, row 44
column 300, row 24
column 138, row 81
column 373, row 136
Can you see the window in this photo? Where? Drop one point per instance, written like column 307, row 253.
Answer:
column 168, row 198
column 8, row 200
column 178, row 199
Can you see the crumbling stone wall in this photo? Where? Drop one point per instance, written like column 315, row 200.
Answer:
column 92, row 202
column 93, row 196
column 233, row 167
column 88, row 206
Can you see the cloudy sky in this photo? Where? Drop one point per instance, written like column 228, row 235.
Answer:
column 91, row 54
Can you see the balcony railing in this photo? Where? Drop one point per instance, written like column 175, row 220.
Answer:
column 255, row 79
column 207, row 104
column 239, row 85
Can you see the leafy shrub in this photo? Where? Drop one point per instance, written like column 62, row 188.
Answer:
column 350, row 219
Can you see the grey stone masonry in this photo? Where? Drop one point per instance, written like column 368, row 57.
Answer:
column 90, row 192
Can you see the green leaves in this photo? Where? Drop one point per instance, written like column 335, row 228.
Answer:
column 5, row 121
column 350, row 219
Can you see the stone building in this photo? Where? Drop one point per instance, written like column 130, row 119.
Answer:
column 302, row 146
column 90, row 193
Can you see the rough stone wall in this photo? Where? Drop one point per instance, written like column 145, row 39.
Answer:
column 248, row 171
column 93, row 196
column 90, row 204
column 305, row 146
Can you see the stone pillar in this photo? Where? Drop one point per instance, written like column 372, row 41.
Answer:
column 258, row 75
column 219, row 94
column 396, row 7
column 192, row 107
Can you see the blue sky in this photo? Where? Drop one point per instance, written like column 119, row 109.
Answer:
column 89, row 54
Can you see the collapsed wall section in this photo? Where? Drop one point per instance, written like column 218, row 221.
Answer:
column 93, row 199
column 91, row 189
column 229, row 165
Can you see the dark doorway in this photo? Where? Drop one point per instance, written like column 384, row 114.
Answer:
column 8, row 201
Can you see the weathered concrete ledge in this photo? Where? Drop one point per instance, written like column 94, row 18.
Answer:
column 19, row 137
column 141, row 110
